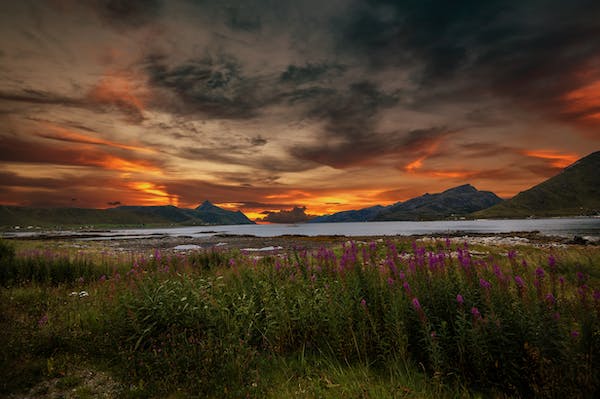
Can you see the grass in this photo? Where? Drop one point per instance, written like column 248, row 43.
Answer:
column 385, row 319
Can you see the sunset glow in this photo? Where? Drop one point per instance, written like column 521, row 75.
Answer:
column 320, row 106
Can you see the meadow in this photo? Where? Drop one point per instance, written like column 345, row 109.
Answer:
column 394, row 317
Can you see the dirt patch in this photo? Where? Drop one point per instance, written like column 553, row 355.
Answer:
column 78, row 383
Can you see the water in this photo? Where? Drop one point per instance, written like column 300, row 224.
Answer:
column 586, row 227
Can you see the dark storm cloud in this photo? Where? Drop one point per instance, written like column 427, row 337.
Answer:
column 311, row 72
column 127, row 13
column 213, row 85
column 530, row 51
column 364, row 148
column 38, row 97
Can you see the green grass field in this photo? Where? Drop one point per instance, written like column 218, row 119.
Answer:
column 395, row 318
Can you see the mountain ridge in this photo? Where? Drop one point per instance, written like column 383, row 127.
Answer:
column 574, row 191
column 456, row 201
column 205, row 214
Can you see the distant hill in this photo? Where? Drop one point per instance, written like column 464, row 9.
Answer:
column 574, row 191
column 457, row 201
column 362, row 215
column 205, row 214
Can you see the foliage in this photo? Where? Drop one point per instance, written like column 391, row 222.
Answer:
column 523, row 322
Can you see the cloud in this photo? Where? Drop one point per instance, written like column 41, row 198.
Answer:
column 368, row 147
column 295, row 215
column 211, row 85
column 124, row 14
column 298, row 75
column 35, row 152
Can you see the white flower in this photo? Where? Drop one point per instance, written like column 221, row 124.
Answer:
column 83, row 294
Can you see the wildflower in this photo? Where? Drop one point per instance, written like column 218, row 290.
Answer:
column 475, row 312
column 43, row 320
column 581, row 277
column 556, row 316
column 313, row 278
column 433, row 334
column 574, row 333
column 551, row 262
column 406, row 286
column 416, row 304
column 512, row 254
column 390, row 281
column 460, row 299
column 102, row 278
column 485, row 284
column 561, row 280
column 80, row 280
column 363, row 303
column 596, row 295
column 550, row 299
column 519, row 281
column 539, row 272
column 83, row 294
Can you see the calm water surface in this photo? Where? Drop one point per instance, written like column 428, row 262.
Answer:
column 558, row 226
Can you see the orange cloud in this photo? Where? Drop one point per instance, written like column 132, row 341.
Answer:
column 62, row 134
column 558, row 160
column 416, row 164
column 584, row 102
column 153, row 194
column 119, row 90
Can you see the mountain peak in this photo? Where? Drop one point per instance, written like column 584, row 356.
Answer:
column 465, row 188
column 206, row 205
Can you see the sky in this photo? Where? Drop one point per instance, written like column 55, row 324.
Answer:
column 267, row 105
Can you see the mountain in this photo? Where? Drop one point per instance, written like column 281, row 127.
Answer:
column 212, row 214
column 457, row 201
column 574, row 191
column 205, row 214
column 362, row 215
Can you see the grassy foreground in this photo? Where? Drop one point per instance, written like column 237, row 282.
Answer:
column 393, row 318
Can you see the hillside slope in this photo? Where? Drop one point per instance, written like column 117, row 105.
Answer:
column 574, row 191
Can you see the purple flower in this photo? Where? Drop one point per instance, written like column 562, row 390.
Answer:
column 561, row 280
column 43, row 320
column 519, row 281
column 475, row 312
column 460, row 299
column 550, row 299
column 512, row 254
column 406, row 286
column 390, row 281
column 551, row 261
column 539, row 272
column 574, row 333
column 485, row 284
column 363, row 303
column 581, row 277
column 416, row 304
column 596, row 295
column 102, row 278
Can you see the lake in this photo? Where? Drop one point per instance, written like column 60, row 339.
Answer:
column 586, row 227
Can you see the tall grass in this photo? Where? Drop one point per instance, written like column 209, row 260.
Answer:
column 523, row 324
